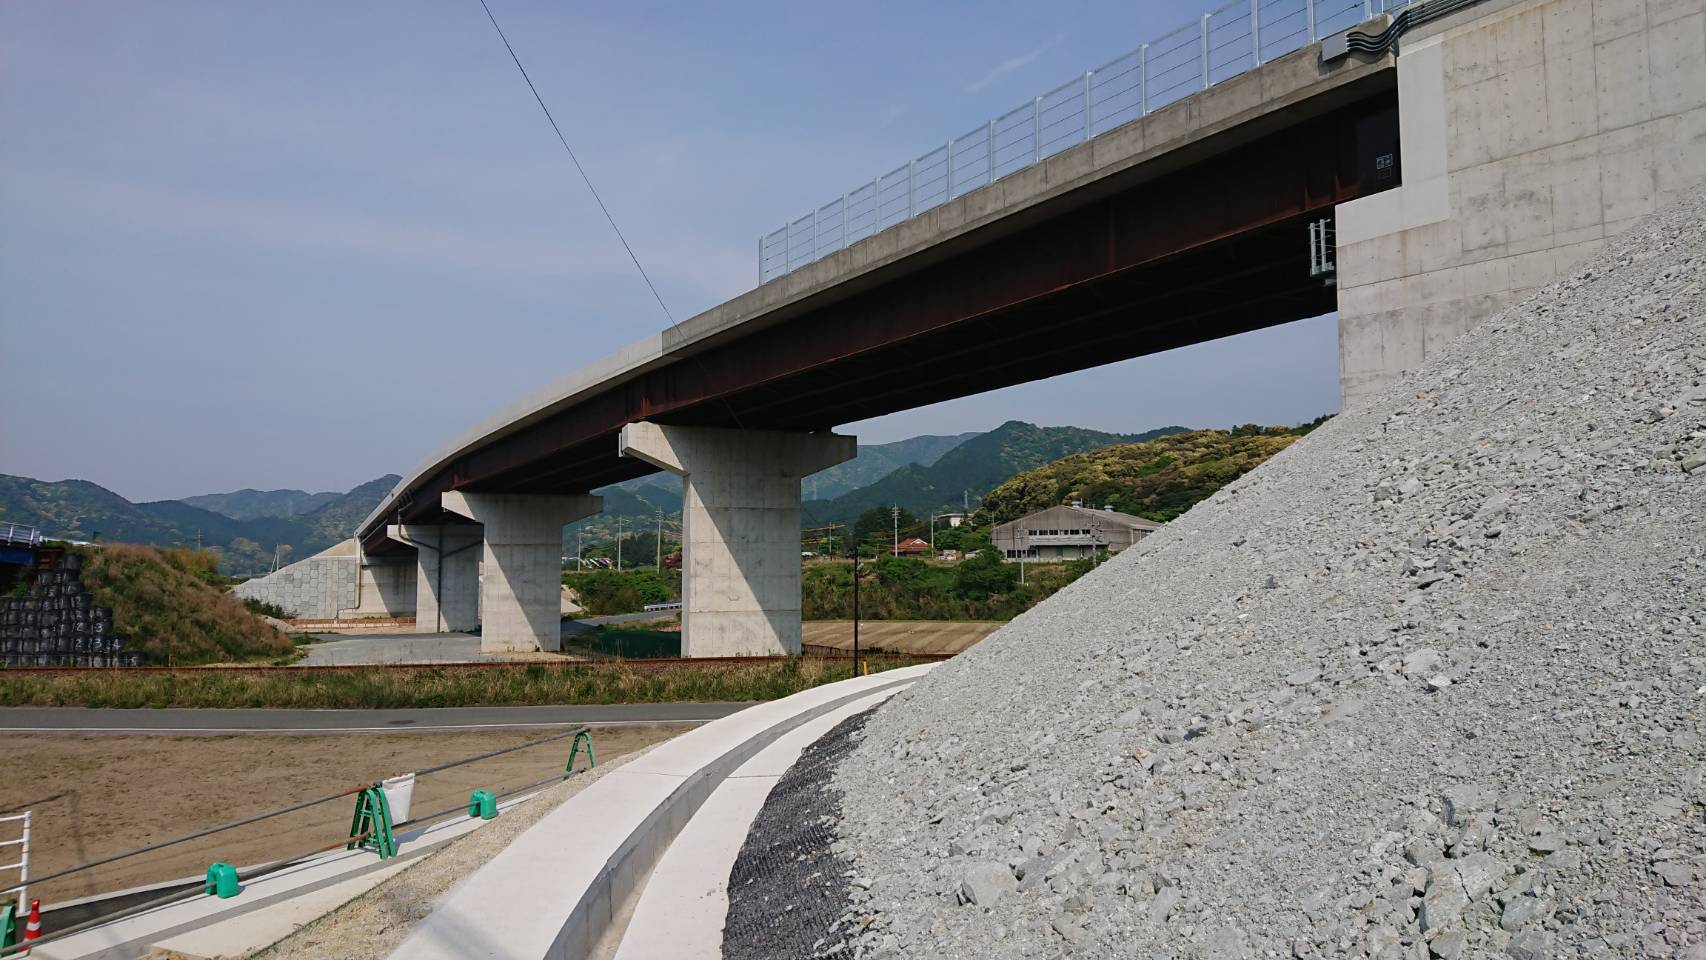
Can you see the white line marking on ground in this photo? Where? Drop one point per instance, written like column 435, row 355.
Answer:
column 400, row 728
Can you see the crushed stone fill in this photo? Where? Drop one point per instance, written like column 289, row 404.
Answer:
column 1427, row 684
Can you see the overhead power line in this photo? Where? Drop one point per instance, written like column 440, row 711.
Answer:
column 571, row 152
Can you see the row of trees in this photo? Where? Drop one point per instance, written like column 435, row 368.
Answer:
column 878, row 529
column 981, row 587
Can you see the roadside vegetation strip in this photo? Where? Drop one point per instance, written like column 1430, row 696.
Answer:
column 383, row 687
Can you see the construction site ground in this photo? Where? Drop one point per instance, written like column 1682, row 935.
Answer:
column 899, row 636
column 95, row 795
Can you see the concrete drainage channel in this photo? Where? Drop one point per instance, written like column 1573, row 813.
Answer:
column 562, row 889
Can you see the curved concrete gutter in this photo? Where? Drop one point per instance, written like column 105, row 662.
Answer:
column 553, row 892
column 681, row 913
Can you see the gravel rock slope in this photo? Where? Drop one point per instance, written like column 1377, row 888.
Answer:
column 1428, row 683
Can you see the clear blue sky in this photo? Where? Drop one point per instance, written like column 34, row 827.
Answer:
column 302, row 244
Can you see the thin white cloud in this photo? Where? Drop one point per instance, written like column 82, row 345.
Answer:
column 1011, row 64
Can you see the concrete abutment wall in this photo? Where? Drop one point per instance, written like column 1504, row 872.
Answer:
column 1532, row 133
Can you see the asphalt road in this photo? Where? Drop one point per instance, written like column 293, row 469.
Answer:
column 195, row 721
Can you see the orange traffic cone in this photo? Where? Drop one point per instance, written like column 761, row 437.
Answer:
column 32, row 929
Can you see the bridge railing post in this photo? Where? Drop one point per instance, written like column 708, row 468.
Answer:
column 1087, row 123
column 1255, row 33
column 911, row 197
column 1204, row 45
column 1143, row 80
column 949, row 193
column 1036, row 129
column 991, row 147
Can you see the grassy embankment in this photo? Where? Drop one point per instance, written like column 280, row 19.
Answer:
column 600, row 682
column 172, row 605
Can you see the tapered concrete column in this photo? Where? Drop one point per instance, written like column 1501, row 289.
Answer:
column 740, row 582
column 447, row 574
column 521, row 575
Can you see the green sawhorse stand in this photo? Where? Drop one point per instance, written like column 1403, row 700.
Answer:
column 574, row 748
column 370, row 828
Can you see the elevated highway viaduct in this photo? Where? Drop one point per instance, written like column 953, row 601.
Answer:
column 1462, row 153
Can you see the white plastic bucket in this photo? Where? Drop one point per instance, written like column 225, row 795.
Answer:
column 399, row 792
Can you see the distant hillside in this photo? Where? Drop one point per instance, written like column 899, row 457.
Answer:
column 877, row 461
column 248, row 503
column 1158, row 479
column 80, row 510
column 645, row 496
column 969, row 470
column 336, row 519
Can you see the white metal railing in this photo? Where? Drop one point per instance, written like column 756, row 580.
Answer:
column 23, row 864
column 1221, row 44
column 18, row 533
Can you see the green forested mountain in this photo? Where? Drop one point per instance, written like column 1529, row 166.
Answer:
column 1158, row 479
column 878, row 460
column 248, row 503
column 80, row 510
column 969, row 470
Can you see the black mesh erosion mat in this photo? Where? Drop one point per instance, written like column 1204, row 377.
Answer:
column 787, row 888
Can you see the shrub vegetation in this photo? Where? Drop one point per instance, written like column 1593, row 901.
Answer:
column 173, row 606
column 1158, row 479
column 381, row 687
column 604, row 592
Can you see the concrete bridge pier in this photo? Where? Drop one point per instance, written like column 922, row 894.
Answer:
column 521, row 578
column 740, row 529
column 447, row 574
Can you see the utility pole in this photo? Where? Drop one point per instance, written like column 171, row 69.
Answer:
column 855, row 548
column 894, row 514
column 579, row 563
column 618, row 543
column 660, row 542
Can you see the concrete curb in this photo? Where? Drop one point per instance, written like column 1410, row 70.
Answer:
column 684, row 906
column 553, row 892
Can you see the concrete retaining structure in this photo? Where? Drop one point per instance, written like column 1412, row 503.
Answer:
column 335, row 584
column 1531, row 134
column 320, row 587
column 554, row 891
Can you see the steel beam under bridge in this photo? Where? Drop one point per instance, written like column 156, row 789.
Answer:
column 1210, row 249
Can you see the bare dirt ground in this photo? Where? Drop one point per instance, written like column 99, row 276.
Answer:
column 97, row 795
column 900, row 636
